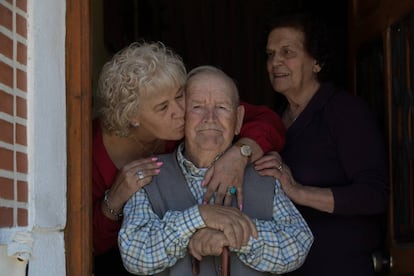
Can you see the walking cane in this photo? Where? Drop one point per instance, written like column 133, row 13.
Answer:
column 225, row 264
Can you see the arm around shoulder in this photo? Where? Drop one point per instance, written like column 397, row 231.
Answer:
column 264, row 126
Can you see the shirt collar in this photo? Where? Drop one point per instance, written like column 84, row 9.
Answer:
column 187, row 166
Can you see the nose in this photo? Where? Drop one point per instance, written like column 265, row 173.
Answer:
column 178, row 109
column 275, row 59
column 210, row 114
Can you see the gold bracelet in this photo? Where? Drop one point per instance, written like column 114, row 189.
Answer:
column 116, row 214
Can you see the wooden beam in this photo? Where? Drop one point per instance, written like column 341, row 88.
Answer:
column 78, row 231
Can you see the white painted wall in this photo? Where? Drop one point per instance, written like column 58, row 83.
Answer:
column 47, row 135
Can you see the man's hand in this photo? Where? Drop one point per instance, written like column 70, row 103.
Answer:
column 207, row 242
column 235, row 225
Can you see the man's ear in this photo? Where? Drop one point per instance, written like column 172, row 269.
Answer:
column 240, row 117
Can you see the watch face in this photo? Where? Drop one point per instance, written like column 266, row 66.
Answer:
column 246, row 150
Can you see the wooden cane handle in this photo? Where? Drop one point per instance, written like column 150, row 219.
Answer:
column 225, row 262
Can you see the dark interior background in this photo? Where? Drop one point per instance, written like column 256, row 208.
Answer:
column 229, row 34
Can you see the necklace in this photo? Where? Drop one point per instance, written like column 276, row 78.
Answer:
column 295, row 117
column 291, row 114
column 289, row 117
column 215, row 159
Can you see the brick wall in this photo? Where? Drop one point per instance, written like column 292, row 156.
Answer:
column 13, row 114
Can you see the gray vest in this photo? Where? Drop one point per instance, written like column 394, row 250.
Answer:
column 169, row 191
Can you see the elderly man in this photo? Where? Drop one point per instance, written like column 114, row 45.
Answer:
column 166, row 222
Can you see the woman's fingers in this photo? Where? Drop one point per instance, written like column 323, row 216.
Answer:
column 211, row 185
column 132, row 177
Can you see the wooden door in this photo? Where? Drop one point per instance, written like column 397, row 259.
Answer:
column 381, row 36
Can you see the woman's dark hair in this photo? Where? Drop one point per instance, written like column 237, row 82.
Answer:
column 316, row 35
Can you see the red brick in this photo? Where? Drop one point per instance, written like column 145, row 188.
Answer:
column 6, row 160
column 21, row 107
column 6, row 188
column 21, row 80
column 7, row 132
column 22, row 4
column 21, row 162
column 21, row 135
column 21, row 25
column 6, row 17
column 6, row 76
column 6, row 217
column 21, row 53
column 6, row 46
column 22, row 191
column 22, row 217
column 6, row 103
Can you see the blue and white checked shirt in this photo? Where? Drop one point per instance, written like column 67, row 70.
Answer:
column 149, row 244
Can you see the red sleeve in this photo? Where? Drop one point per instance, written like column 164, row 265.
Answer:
column 105, row 230
column 264, row 126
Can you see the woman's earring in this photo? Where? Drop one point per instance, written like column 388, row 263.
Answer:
column 317, row 67
column 135, row 124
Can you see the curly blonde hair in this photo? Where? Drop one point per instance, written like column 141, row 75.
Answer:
column 141, row 67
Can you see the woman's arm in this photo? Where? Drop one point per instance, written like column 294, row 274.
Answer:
column 263, row 131
column 318, row 198
column 264, row 126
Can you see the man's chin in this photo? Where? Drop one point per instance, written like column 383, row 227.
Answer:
column 211, row 145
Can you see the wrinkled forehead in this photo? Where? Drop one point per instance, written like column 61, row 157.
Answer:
column 286, row 36
column 207, row 82
column 160, row 89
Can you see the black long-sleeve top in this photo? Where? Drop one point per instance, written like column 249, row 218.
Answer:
column 336, row 143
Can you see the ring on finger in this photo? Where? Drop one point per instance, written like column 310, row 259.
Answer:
column 280, row 167
column 232, row 190
column 140, row 174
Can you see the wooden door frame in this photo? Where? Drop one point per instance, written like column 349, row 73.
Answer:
column 78, row 230
column 399, row 253
column 368, row 20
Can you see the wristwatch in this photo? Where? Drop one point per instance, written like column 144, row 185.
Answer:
column 245, row 150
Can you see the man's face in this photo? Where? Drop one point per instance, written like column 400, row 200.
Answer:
column 212, row 116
